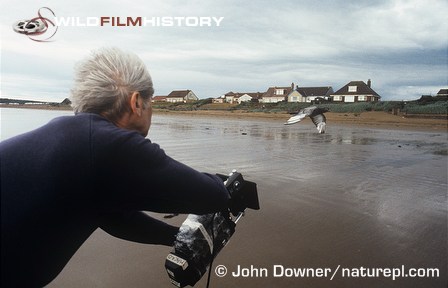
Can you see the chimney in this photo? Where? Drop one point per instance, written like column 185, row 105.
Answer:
column 369, row 83
column 292, row 86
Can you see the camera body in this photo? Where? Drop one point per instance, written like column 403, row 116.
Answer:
column 202, row 237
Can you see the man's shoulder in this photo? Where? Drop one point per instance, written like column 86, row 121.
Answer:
column 105, row 133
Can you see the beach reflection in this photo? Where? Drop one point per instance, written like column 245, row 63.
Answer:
column 352, row 197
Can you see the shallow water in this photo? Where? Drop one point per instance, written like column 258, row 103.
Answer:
column 354, row 197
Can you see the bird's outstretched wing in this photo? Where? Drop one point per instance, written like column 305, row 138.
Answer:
column 299, row 116
column 296, row 118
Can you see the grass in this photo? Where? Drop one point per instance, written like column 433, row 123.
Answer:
column 411, row 107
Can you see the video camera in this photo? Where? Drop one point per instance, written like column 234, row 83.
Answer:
column 201, row 237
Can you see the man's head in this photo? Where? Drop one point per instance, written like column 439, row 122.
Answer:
column 116, row 85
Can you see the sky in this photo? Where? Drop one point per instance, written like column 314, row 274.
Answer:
column 401, row 45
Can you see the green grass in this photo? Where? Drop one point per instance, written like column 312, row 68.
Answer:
column 439, row 108
column 411, row 107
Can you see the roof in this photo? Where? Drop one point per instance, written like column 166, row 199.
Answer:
column 158, row 98
column 271, row 91
column 314, row 91
column 239, row 94
column 178, row 94
column 442, row 92
column 362, row 89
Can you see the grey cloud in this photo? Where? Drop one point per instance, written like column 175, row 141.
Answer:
column 260, row 43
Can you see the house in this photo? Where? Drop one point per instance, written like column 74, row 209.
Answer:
column 443, row 93
column 295, row 96
column 230, row 97
column 310, row 94
column 181, row 96
column 159, row 99
column 356, row 91
column 244, row 98
column 221, row 99
column 277, row 94
column 239, row 97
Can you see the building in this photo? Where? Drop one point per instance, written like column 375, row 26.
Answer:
column 356, row 91
column 277, row 94
column 239, row 97
column 221, row 99
column 181, row 96
column 310, row 94
column 159, row 99
column 442, row 93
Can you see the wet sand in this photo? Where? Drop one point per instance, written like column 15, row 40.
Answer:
column 372, row 119
column 356, row 197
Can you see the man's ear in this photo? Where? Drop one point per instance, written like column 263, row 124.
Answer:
column 136, row 103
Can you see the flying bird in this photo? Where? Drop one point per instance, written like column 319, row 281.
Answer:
column 316, row 115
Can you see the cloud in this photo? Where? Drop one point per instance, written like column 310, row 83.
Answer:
column 397, row 44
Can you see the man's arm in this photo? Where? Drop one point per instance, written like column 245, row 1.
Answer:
column 134, row 174
column 139, row 227
column 150, row 180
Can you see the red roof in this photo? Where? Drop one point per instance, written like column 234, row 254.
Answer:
column 178, row 94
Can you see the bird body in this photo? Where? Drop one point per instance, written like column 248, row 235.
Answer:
column 316, row 114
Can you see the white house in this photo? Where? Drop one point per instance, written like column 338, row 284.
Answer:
column 181, row 96
column 310, row 94
column 295, row 96
column 232, row 97
column 220, row 99
column 277, row 94
column 244, row 98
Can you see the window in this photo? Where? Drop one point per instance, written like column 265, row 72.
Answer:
column 361, row 98
column 352, row 88
column 279, row 91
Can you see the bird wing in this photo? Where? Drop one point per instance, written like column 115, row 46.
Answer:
column 302, row 114
column 318, row 118
column 296, row 118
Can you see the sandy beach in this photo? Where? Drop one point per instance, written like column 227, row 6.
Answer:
column 369, row 193
column 372, row 119
column 352, row 198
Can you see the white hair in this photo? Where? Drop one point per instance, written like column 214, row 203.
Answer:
column 105, row 80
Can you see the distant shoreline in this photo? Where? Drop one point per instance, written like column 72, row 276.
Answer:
column 371, row 119
column 37, row 107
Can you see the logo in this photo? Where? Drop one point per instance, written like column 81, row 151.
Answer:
column 40, row 28
column 43, row 27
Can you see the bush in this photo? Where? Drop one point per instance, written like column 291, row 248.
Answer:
column 440, row 107
column 412, row 107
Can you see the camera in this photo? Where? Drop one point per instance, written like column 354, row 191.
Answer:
column 202, row 237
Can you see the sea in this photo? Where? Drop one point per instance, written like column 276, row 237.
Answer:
column 354, row 207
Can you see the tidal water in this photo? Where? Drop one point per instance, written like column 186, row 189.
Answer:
column 353, row 197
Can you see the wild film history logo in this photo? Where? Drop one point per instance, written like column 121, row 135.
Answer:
column 43, row 27
column 40, row 28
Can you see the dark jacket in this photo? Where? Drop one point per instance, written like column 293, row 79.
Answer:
column 61, row 182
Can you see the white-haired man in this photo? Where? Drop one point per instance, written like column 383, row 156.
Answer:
column 96, row 169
